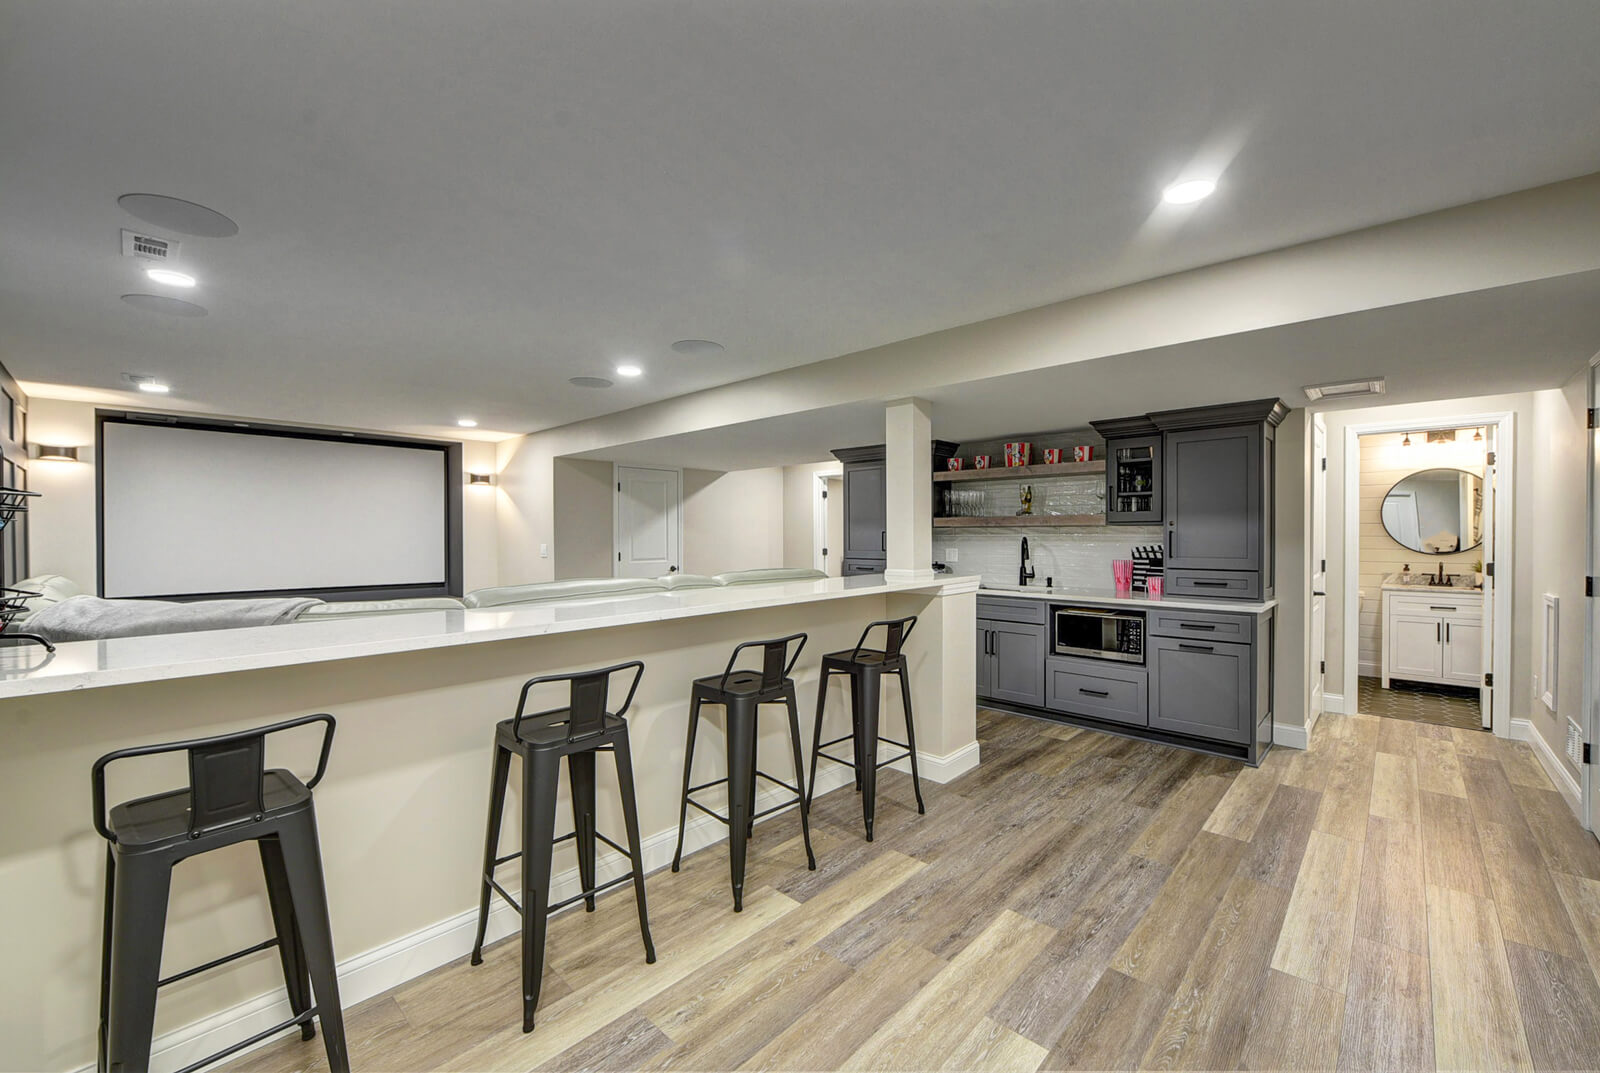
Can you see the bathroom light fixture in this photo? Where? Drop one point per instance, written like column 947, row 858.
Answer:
column 629, row 371
column 1477, row 436
column 46, row 453
column 1189, row 191
column 170, row 277
column 467, row 422
column 1407, row 441
column 481, row 480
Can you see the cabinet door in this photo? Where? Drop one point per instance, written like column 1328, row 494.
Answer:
column 1212, row 491
column 1200, row 689
column 866, row 511
column 985, row 661
column 1133, row 481
column 1463, row 650
column 1017, row 668
column 1416, row 646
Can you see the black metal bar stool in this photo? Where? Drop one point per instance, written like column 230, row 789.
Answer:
column 866, row 668
column 231, row 797
column 577, row 732
column 742, row 693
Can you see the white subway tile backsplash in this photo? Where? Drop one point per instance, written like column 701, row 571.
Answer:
column 1073, row 556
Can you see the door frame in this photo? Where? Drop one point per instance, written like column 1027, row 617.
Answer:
column 1504, row 423
column 1588, row 780
column 616, row 516
column 819, row 515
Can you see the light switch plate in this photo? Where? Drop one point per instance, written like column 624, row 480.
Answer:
column 544, row 551
column 952, row 555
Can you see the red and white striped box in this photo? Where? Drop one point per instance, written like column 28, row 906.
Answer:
column 980, row 461
column 1083, row 454
column 1018, row 454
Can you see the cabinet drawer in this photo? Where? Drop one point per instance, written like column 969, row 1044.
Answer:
column 1093, row 689
column 1440, row 604
column 862, row 566
column 1001, row 609
column 1225, row 584
column 1240, row 629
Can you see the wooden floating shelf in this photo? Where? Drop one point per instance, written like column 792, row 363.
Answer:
column 998, row 473
column 1012, row 521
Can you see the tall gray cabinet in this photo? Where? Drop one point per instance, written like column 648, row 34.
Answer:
column 866, row 526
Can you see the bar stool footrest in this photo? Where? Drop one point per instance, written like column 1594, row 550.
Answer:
column 292, row 1022
column 219, row 962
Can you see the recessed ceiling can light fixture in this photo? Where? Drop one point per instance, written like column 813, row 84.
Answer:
column 155, row 387
column 698, row 348
column 176, row 214
column 467, row 422
column 171, row 277
column 589, row 381
column 629, row 370
column 161, row 303
column 1189, row 191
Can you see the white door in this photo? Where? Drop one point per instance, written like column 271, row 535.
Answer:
column 1485, row 693
column 1591, row 669
column 1319, row 566
column 1463, row 650
column 1416, row 647
column 647, row 518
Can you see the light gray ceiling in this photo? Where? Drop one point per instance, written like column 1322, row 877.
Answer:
column 450, row 209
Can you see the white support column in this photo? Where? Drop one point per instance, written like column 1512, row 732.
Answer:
column 908, row 477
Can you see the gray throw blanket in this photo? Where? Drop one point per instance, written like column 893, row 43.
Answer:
column 89, row 618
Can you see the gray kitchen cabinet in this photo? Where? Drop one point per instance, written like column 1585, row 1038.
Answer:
column 866, row 525
column 1134, row 461
column 1202, row 689
column 1098, row 689
column 1012, row 637
column 1214, row 503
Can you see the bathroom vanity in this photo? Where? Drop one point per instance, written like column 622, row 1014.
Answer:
column 1432, row 633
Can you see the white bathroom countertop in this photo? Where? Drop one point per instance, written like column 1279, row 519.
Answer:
column 28, row 670
column 1112, row 598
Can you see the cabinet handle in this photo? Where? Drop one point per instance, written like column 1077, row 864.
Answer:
column 883, row 540
column 1196, row 648
column 1438, row 631
column 1447, row 633
column 1093, row 692
column 1196, row 626
column 1209, row 584
column 1432, row 608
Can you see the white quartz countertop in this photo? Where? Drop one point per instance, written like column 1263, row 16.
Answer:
column 27, row 670
column 1112, row 598
column 1392, row 584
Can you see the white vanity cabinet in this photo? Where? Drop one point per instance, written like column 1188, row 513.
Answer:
column 1433, row 635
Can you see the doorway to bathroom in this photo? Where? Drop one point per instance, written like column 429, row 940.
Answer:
column 1426, row 506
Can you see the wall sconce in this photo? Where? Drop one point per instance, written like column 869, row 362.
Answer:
column 1407, row 441
column 1477, row 436
column 45, row 453
column 480, row 480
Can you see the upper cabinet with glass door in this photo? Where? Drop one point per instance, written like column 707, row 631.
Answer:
column 1133, row 471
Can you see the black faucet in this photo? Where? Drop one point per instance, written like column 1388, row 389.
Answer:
column 1024, row 571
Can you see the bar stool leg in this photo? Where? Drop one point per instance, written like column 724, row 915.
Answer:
column 138, row 926
column 580, row 766
column 101, row 1061
column 741, row 780
column 799, row 773
column 501, row 775
column 541, row 780
column 303, row 865
column 291, row 949
column 911, row 739
column 688, row 766
column 630, row 816
column 868, row 690
column 816, row 737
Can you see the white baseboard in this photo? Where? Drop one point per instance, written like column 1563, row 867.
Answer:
column 1369, row 670
column 1291, row 736
column 1565, row 781
column 1334, row 702
column 381, row 968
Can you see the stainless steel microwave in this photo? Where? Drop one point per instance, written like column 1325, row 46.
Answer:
column 1098, row 633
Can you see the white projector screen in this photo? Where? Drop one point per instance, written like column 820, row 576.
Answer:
column 189, row 511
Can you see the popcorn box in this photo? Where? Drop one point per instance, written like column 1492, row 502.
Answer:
column 1083, row 454
column 1052, row 456
column 952, row 463
column 980, row 461
column 1018, row 454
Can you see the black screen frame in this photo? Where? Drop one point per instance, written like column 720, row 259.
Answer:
column 451, row 453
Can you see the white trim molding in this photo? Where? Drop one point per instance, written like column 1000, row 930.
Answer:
column 1334, row 702
column 1291, row 737
column 1565, row 780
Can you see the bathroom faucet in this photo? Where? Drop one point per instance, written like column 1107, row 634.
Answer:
column 1025, row 571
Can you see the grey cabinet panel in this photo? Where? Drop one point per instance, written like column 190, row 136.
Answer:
column 1011, row 662
column 1201, row 688
column 1201, row 626
column 1013, row 610
column 865, row 511
column 862, row 566
column 1133, row 480
column 1096, row 689
column 1229, row 584
column 1213, row 494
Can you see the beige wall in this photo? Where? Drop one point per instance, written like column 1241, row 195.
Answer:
column 1384, row 462
column 584, row 538
column 799, row 506
column 732, row 521
column 61, row 535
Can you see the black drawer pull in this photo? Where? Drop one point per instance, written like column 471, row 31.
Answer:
column 1196, row 648
column 1093, row 692
column 1196, row 626
column 1432, row 608
column 1210, row 584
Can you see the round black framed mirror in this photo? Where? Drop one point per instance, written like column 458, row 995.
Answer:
column 1435, row 511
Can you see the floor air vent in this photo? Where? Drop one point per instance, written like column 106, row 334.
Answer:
column 148, row 247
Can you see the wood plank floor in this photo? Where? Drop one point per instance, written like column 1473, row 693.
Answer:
column 1397, row 897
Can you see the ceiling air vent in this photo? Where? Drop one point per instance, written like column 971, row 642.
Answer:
column 148, row 247
column 1345, row 389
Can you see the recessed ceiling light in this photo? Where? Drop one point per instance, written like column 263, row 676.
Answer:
column 698, row 348
column 176, row 214
column 1189, row 191
column 629, row 370
column 170, row 277
column 161, row 303
column 154, row 387
column 466, row 422
column 589, row 381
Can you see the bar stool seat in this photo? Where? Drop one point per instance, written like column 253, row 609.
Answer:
column 865, row 668
column 576, row 732
column 741, row 694
column 231, row 798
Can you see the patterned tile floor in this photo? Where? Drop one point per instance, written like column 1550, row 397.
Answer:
column 1441, row 705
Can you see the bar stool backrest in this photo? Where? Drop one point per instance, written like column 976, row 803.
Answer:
column 776, row 662
column 226, row 774
column 587, row 695
column 896, row 630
